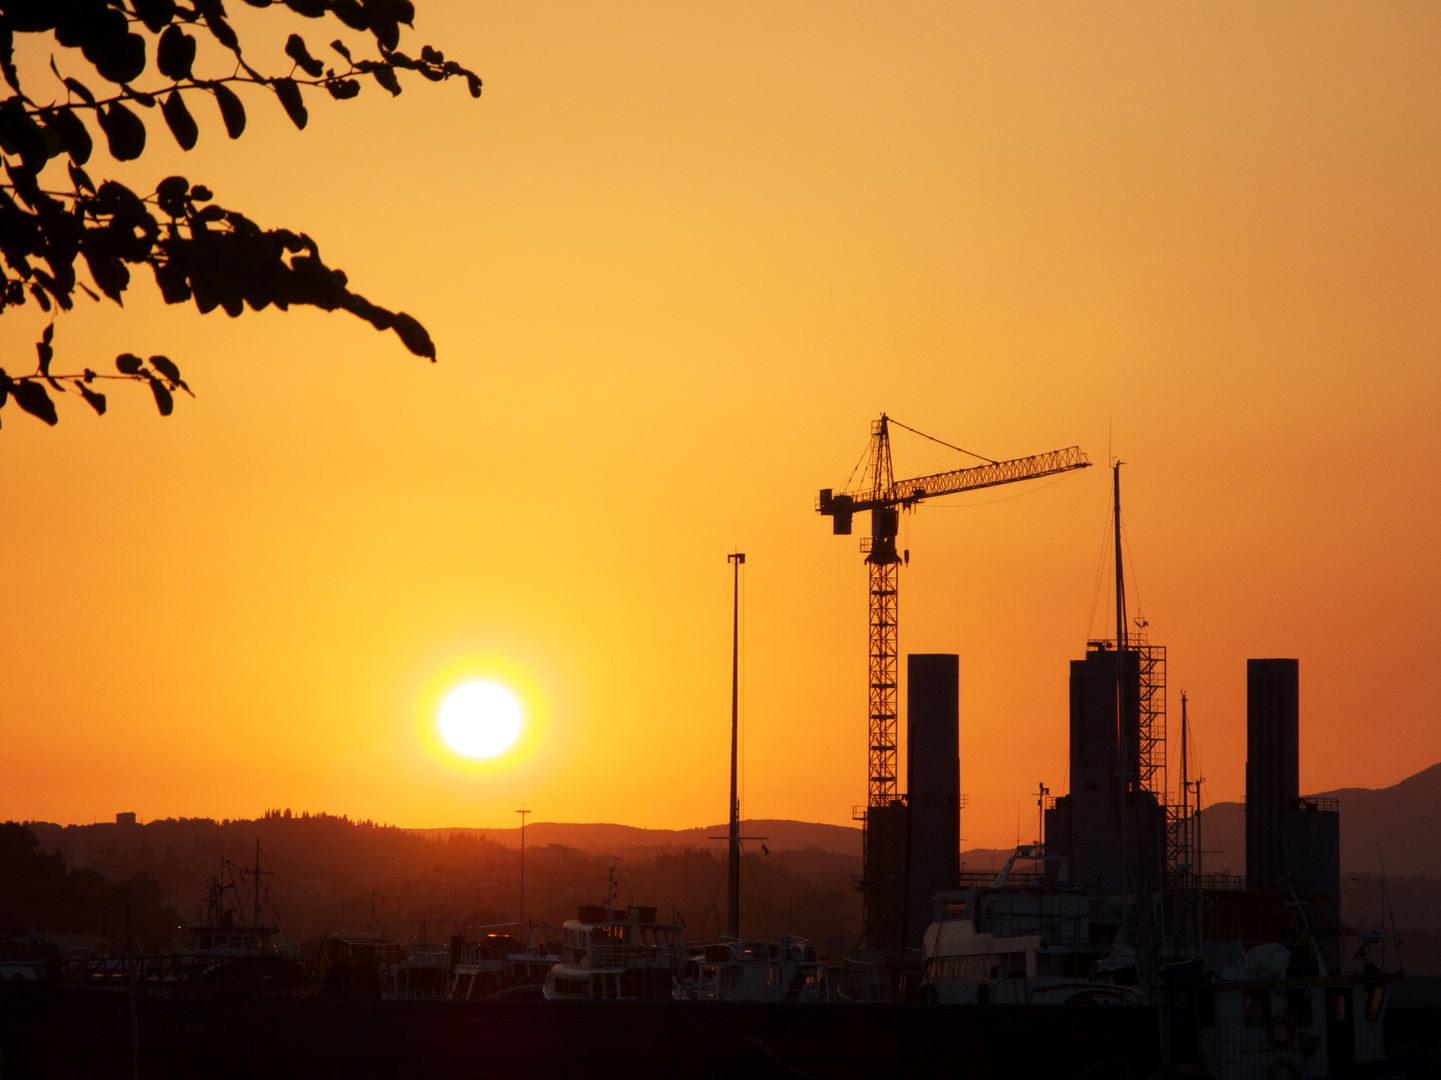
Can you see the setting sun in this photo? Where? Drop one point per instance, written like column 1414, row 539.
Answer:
column 480, row 719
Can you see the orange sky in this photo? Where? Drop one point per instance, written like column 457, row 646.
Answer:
column 675, row 260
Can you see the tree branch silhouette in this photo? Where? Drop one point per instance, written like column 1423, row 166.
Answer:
column 196, row 249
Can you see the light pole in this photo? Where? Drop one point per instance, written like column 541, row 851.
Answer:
column 733, row 891
column 522, row 814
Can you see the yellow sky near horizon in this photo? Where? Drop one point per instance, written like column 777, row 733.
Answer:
column 675, row 260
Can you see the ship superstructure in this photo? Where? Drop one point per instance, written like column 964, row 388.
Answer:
column 610, row 955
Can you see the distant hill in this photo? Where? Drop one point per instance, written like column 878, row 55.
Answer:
column 609, row 839
column 1403, row 821
column 329, row 873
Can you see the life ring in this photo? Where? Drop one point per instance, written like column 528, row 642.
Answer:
column 1282, row 1029
column 1283, row 1069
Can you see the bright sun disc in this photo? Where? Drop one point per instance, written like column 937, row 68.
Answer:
column 479, row 719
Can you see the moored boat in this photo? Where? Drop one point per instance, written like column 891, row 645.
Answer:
column 611, row 955
column 753, row 970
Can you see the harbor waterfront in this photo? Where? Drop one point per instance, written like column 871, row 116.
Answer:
column 63, row 1032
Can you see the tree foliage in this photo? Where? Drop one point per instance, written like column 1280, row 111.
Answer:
column 40, row 893
column 196, row 249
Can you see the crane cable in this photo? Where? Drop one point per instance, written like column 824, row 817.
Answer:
column 949, row 446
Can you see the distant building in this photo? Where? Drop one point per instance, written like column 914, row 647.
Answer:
column 126, row 817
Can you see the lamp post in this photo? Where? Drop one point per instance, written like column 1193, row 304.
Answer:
column 733, row 897
column 522, row 814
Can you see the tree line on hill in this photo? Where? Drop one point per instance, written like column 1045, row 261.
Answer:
column 329, row 873
column 40, row 892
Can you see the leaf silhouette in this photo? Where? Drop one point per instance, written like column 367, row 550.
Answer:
column 296, row 50
column 124, row 132
column 182, row 124
column 95, row 399
column 163, row 401
column 231, row 110
column 175, row 55
column 117, row 55
column 166, row 367
column 385, row 75
column 170, row 194
column 31, row 397
column 219, row 27
column 78, row 87
column 73, row 131
column 351, row 14
column 155, row 14
column 289, row 95
column 81, row 179
column 129, row 364
column 112, row 275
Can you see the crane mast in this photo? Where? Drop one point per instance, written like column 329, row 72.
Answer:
column 880, row 494
column 884, row 497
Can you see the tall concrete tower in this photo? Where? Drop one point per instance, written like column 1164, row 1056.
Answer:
column 1272, row 767
column 933, row 781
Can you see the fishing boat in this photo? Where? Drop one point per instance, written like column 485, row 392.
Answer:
column 237, row 947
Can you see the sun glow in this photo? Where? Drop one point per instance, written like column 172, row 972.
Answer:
column 480, row 719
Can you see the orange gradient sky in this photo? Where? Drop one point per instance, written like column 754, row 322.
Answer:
column 675, row 261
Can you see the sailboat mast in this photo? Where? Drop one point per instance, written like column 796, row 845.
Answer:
column 1186, row 856
column 257, row 882
column 1121, row 752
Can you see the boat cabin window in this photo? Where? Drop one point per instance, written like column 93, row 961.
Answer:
column 608, row 935
column 1256, row 1007
column 1375, row 998
column 954, row 909
column 1298, row 1007
column 1206, row 1008
column 1338, row 1005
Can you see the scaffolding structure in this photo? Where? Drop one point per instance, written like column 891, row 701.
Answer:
column 1152, row 712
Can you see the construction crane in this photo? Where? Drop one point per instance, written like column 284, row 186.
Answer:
column 882, row 495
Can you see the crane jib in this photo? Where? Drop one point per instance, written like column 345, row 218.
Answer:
column 909, row 492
